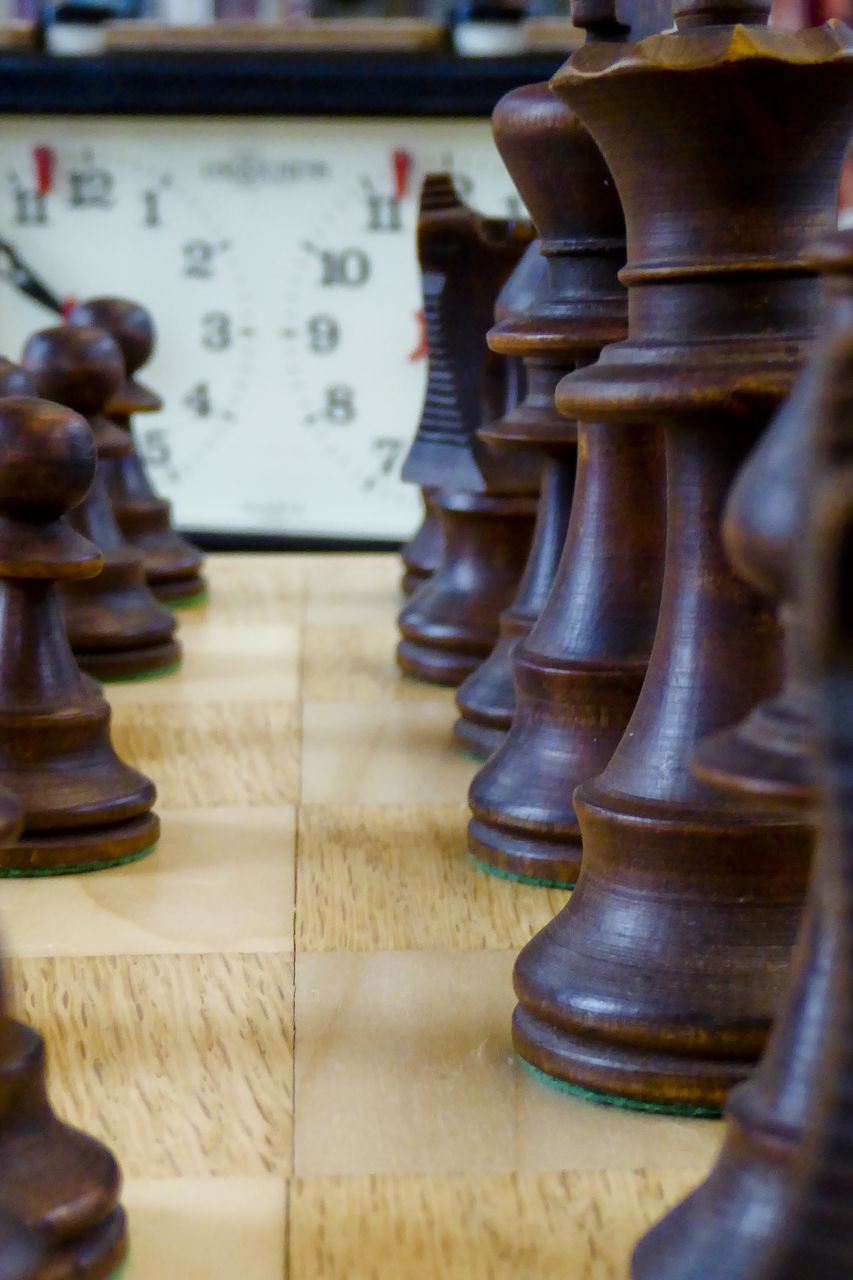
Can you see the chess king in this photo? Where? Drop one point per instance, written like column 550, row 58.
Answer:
column 658, row 981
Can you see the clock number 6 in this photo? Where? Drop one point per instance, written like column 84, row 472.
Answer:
column 216, row 332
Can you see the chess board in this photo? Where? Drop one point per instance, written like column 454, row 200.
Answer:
column 291, row 1023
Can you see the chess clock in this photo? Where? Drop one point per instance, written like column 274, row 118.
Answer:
column 263, row 207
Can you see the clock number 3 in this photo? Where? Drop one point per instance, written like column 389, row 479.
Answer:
column 216, row 332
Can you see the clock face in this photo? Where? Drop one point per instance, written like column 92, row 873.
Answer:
column 277, row 257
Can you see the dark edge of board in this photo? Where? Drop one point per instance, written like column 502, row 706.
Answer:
column 261, row 83
column 285, row 542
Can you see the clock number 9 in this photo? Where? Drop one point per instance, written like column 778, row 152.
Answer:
column 324, row 334
column 216, row 331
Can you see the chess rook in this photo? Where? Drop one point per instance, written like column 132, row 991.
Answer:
column 756, row 1186
column 172, row 564
column 579, row 671
column 83, row 807
column 487, row 513
column 486, row 700
column 116, row 627
column 659, row 980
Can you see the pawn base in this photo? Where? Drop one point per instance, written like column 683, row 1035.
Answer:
column 532, row 859
column 767, row 755
column 626, row 1076
column 436, row 666
column 40, row 853
column 412, row 580
column 97, row 1255
column 123, row 664
column 486, row 701
column 478, row 740
column 178, row 592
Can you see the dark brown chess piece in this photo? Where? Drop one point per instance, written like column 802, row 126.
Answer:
column 21, row 1251
column 421, row 555
column 172, row 564
column 21, row 1254
column 116, row 627
column 83, row 807
column 779, row 1193
column 579, row 671
column 487, row 511
column 60, row 1217
column 768, row 754
column 658, row 982
column 486, row 700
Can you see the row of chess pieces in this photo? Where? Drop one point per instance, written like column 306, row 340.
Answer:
column 89, row 563
column 636, row 567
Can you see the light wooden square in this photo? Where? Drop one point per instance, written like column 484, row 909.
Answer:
column 218, row 880
column 398, row 877
column 385, row 752
column 181, row 1064
column 206, row 1229
column 569, row 1226
column 226, row 663
column 213, row 753
column 348, row 589
column 405, row 1065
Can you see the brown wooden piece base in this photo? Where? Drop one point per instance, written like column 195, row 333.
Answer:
column 451, row 623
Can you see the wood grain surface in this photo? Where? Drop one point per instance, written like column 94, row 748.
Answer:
column 291, row 1021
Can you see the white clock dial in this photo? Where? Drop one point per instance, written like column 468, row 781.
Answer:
column 278, row 260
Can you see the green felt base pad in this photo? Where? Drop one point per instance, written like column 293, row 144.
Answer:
column 519, row 879
column 21, row 873
column 189, row 602
column 626, row 1104
column 142, row 675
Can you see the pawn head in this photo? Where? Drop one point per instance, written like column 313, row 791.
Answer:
column 47, row 459
column 129, row 323
column 81, row 368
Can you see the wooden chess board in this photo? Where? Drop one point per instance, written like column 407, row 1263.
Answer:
column 291, row 1023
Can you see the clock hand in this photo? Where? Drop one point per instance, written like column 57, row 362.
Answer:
column 15, row 271
column 401, row 164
